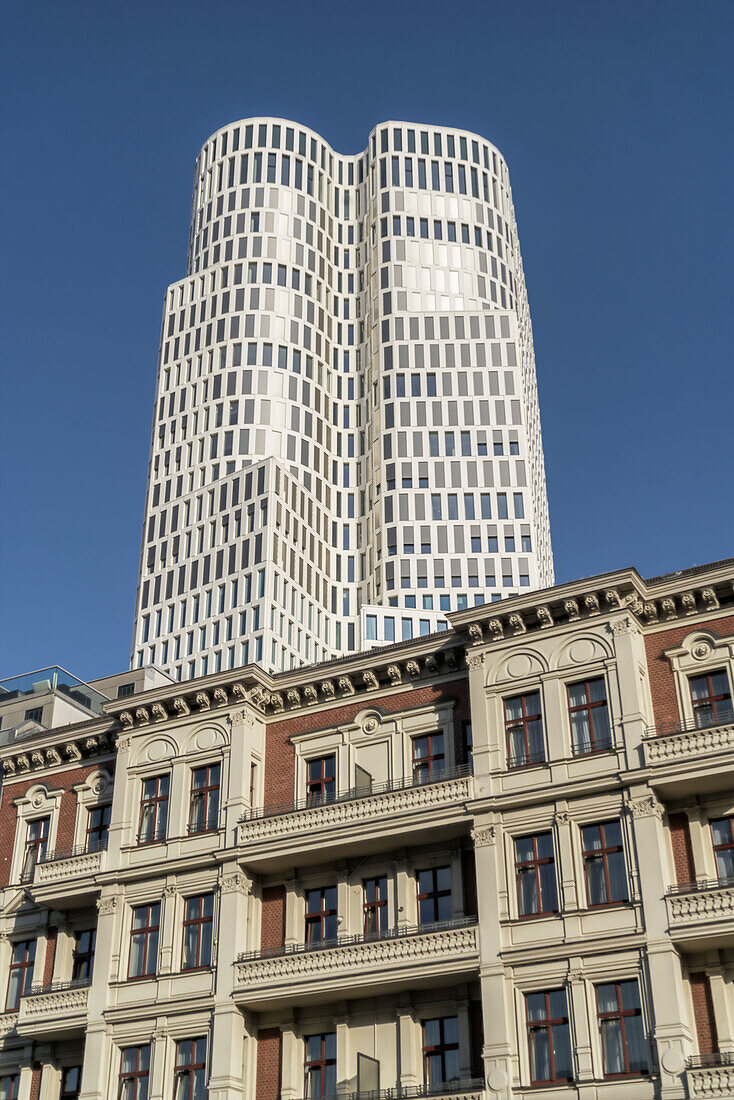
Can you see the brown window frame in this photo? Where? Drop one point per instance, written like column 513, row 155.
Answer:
column 547, row 1025
column 207, row 794
column 100, row 831
column 145, row 931
column 435, row 893
column 530, row 758
column 34, row 845
column 621, row 1014
column 156, row 801
column 598, row 743
column 26, row 967
column 434, row 760
column 722, row 847
column 187, row 1069
column 66, row 1093
column 321, row 1063
column 82, row 959
column 317, row 789
column 602, row 854
column 133, row 1075
column 318, row 917
column 376, row 908
column 12, row 1093
column 437, row 1048
column 536, row 863
column 199, row 922
column 721, row 704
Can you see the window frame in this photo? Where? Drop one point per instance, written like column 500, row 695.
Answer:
column 441, row 1049
column 432, row 758
column 434, row 894
column 36, row 845
column 188, row 1069
column 589, row 706
column 199, row 922
column 536, row 862
column 377, row 908
column 322, row 1064
column 547, row 1025
column 210, row 794
column 157, row 800
column 721, row 702
column 621, row 1014
column 25, row 967
column 134, row 1075
column 317, row 792
column 729, row 818
column 85, row 958
column 318, row 917
column 602, row 855
column 102, row 830
column 513, row 724
column 14, row 1078
column 146, row 931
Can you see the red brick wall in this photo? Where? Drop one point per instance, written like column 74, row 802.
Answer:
column 35, row 1082
column 662, row 683
column 703, row 1013
column 469, row 875
column 272, row 917
column 53, row 781
column 48, row 964
column 279, row 784
column 268, row 1064
column 680, row 838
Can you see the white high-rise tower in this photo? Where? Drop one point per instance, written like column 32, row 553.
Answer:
column 346, row 441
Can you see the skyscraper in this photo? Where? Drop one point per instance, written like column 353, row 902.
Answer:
column 346, row 439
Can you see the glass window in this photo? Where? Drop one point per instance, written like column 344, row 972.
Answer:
column 98, row 827
column 190, row 1071
column 83, row 959
column 428, row 757
column 320, row 1065
column 524, row 730
column 589, row 714
column 535, row 875
column 197, row 932
column 620, row 1023
column 71, row 1080
column 9, row 1086
column 204, row 810
column 144, row 940
column 321, row 914
column 36, row 846
column 371, row 624
column 549, row 1040
column 722, row 830
column 134, row 1070
column 21, row 973
column 321, row 780
column 606, row 875
column 434, row 895
column 440, row 1051
column 711, row 698
column 374, row 905
column 154, row 809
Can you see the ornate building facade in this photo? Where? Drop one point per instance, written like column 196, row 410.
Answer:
column 468, row 866
column 346, row 440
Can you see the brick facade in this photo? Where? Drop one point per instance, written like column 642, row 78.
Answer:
column 680, row 839
column 662, row 680
column 268, row 1064
column 272, row 917
column 703, row 1013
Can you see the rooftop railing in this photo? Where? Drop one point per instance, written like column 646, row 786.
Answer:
column 366, row 790
column 412, row 1092
column 54, row 678
column 360, row 937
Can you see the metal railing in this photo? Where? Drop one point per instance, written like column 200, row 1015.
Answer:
column 715, row 1058
column 57, row 987
column 354, row 793
column 86, row 849
column 605, row 744
column 691, row 725
column 357, row 938
column 526, row 759
column 410, row 1092
column 700, row 885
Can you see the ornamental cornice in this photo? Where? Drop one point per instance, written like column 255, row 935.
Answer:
column 27, row 757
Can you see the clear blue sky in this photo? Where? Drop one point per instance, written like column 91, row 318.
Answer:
column 616, row 122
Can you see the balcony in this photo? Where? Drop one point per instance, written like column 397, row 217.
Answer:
column 67, row 876
column 701, row 914
column 356, row 820
column 691, row 745
column 711, row 1075
column 55, row 1009
column 471, row 1088
column 402, row 958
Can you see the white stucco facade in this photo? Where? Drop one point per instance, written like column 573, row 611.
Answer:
column 346, row 412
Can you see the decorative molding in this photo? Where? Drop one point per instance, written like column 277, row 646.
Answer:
column 475, row 661
column 647, row 806
column 107, row 905
column 545, row 618
column 562, row 817
column 621, row 626
column 484, row 835
column 692, row 743
column 235, row 883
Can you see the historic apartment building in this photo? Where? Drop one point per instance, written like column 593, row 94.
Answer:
column 346, row 441
column 473, row 865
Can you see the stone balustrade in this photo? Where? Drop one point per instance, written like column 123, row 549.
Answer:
column 711, row 1081
column 78, row 865
column 688, row 743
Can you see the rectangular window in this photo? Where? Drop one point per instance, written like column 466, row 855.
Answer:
column 524, row 730
column 620, row 1022
column 589, row 715
column 36, row 846
column 440, row 1052
column 711, row 699
column 549, row 1040
column 83, row 958
column 154, row 809
column 21, row 973
column 722, row 831
column 606, row 875
column 98, row 827
column 321, row 914
column 134, row 1069
column 144, row 940
column 190, row 1071
column 535, row 875
column 428, row 757
column 71, row 1081
column 371, row 627
column 9, row 1086
column 320, row 1065
column 434, row 895
column 204, row 810
column 374, row 905
column 197, row 932
column 321, row 780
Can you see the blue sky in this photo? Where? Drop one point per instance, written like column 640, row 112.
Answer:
column 615, row 119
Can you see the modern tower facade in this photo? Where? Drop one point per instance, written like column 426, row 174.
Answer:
column 346, row 441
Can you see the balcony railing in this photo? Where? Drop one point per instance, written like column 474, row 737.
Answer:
column 716, row 1058
column 57, row 987
column 691, row 725
column 701, row 884
column 526, row 759
column 354, row 793
column 364, row 937
column 413, row 1092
